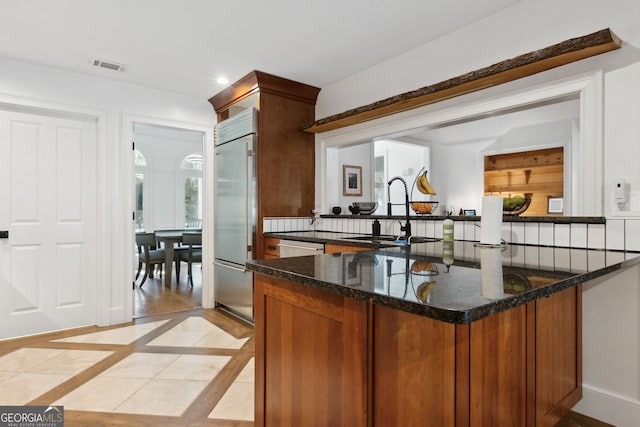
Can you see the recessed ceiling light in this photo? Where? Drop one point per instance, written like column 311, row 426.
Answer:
column 222, row 81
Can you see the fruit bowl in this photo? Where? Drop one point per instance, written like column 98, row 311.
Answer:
column 424, row 268
column 363, row 208
column 423, row 208
column 516, row 208
column 515, row 283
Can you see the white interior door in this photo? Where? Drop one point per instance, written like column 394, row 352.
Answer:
column 47, row 205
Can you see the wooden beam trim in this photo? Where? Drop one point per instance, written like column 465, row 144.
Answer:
column 563, row 53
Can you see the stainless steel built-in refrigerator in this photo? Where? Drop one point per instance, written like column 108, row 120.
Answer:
column 235, row 212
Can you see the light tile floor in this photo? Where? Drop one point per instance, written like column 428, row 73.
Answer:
column 163, row 369
column 234, row 405
column 29, row 372
column 178, row 371
column 198, row 332
column 124, row 335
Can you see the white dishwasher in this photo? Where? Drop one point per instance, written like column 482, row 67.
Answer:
column 289, row 248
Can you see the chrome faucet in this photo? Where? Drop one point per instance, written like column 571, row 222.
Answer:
column 407, row 226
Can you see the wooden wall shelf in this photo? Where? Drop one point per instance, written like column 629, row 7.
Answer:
column 525, row 170
column 563, row 53
column 539, row 173
column 552, row 188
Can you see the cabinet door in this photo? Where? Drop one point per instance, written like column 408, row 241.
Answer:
column 498, row 369
column 310, row 356
column 558, row 355
column 413, row 370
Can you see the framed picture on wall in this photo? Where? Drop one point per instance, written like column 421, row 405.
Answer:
column 352, row 180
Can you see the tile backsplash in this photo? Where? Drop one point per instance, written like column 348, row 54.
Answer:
column 616, row 234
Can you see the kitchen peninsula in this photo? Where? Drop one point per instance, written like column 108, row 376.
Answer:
column 403, row 336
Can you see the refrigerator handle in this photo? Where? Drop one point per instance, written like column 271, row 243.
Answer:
column 220, row 264
column 251, row 197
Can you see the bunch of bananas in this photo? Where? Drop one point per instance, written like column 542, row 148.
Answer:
column 422, row 182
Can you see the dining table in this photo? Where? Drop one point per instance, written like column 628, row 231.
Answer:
column 169, row 239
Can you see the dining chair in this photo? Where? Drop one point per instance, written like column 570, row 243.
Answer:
column 148, row 255
column 193, row 253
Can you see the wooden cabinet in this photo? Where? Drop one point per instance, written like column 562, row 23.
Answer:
column 342, row 362
column 558, row 355
column 285, row 176
column 311, row 356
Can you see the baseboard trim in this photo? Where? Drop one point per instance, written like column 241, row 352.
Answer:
column 608, row 406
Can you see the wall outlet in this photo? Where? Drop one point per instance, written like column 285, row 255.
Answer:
column 631, row 208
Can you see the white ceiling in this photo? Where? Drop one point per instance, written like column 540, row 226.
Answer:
column 183, row 46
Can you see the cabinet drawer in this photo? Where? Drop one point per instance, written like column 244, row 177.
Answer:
column 271, row 247
column 291, row 248
column 330, row 248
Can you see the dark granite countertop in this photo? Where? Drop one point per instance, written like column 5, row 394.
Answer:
column 505, row 218
column 463, row 289
column 332, row 237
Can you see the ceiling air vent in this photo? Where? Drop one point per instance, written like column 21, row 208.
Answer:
column 109, row 65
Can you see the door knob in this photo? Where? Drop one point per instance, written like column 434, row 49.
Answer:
column 4, row 234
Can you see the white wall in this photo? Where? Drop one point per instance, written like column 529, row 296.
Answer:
column 404, row 160
column 357, row 155
column 622, row 129
column 51, row 84
column 524, row 27
column 538, row 136
column 611, row 372
column 31, row 84
column 457, row 175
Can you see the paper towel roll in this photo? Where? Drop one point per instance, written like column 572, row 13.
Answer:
column 491, row 272
column 491, row 220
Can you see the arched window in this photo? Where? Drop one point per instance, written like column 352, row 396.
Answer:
column 191, row 167
column 140, row 159
column 192, row 162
